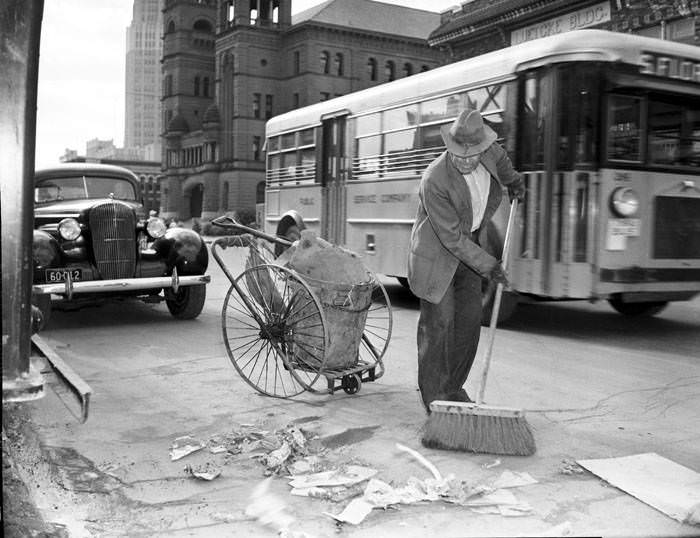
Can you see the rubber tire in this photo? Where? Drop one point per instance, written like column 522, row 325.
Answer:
column 645, row 309
column 188, row 302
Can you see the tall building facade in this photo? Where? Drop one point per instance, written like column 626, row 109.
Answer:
column 142, row 127
column 479, row 26
column 230, row 65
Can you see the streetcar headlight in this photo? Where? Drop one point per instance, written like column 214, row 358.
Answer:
column 155, row 227
column 69, row 229
column 624, row 202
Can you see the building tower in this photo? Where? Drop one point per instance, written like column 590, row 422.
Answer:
column 188, row 92
column 143, row 79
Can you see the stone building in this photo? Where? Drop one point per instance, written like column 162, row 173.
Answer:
column 229, row 66
column 142, row 115
column 479, row 26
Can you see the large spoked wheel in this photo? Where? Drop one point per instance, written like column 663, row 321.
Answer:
column 274, row 331
column 378, row 326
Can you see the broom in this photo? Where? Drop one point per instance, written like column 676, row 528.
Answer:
column 475, row 427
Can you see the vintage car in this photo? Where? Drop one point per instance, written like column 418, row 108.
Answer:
column 93, row 240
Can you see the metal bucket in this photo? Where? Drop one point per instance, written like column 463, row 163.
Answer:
column 345, row 308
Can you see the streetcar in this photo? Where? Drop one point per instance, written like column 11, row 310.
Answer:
column 604, row 126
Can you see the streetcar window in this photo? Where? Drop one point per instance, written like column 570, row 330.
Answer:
column 306, row 137
column 399, row 118
column 273, row 143
column 287, row 141
column 674, row 132
column 624, row 142
column 371, row 123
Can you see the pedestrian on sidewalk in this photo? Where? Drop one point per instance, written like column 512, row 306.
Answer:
column 458, row 194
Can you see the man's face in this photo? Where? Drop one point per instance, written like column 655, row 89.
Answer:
column 465, row 164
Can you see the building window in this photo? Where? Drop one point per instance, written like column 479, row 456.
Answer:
column 338, row 64
column 325, row 96
column 256, row 105
column 268, row 107
column 168, row 86
column 424, row 69
column 390, row 70
column 295, row 100
column 260, row 193
column 205, row 87
column 224, row 197
column 297, row 62
column 196, row 86
column 256, row 148
column 325, row 61
column 372, row 69
column 407, row 69
column 171, row 27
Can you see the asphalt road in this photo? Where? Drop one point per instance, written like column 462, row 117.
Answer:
column 593, row 384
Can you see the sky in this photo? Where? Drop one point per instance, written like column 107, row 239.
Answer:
column 81, row 71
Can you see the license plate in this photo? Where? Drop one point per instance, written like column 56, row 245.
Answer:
column 61, row 275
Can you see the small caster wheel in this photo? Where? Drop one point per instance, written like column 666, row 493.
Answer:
column 351, row 383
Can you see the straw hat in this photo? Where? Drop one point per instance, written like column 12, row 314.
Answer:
column 468, row 135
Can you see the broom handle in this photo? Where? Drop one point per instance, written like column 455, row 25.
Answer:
column 497, row 303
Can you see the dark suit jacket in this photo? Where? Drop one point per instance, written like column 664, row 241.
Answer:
column 441, row 237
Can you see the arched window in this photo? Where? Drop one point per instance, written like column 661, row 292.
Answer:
column 325, row 61
column 338, row 64
column 407, row 69
column 202, row 26
column 171, row 27
column 196, row 86
column 205, row 87
column 390, row 70
column 372, row 69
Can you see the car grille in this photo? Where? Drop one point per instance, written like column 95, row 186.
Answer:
column 113, row 228
column 677, row 228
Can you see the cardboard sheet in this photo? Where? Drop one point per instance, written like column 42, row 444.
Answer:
column 667, row 486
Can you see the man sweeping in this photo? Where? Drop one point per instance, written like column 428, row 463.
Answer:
column 459, row 193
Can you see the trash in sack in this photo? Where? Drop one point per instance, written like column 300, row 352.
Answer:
column 182, row 446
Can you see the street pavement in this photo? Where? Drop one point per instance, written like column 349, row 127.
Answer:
column 591, row 387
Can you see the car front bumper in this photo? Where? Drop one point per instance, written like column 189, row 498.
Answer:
column 70, row 288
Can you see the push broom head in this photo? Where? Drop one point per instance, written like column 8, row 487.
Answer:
column 470, row 427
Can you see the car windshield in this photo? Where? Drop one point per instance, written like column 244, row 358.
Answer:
column 82, row 188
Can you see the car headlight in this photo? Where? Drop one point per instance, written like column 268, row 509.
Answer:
column 69, row 229
column 624, row 202
column 155, row 227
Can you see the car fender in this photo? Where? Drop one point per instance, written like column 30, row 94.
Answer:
column 183, row 248
column 45, row 250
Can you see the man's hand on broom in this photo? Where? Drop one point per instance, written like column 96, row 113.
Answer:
column 499, row 276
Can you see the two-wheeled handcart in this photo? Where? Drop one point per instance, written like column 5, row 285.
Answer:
column 284, row 331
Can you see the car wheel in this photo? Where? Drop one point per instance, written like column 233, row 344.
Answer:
column 187, row 303
column 644, row 309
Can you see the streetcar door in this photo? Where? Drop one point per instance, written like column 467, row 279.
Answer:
column 333, row 177
column 558, row 129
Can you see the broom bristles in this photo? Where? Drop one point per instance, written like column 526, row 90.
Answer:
column 469, row 427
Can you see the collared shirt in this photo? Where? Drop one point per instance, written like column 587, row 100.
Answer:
column 479, row 183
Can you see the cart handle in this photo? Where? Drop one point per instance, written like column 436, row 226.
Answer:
column 230, row 222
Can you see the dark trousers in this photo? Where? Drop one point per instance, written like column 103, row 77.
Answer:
column 448, row 336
